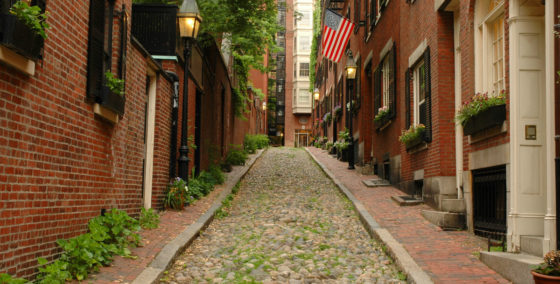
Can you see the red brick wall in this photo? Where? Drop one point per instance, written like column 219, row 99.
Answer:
column 60, row 164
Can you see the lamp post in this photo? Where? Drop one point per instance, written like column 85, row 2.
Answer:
column 315, row 100
column 189, row 23
column 350, row 76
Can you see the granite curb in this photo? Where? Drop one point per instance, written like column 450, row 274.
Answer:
column 166, row 256
column 402, row 258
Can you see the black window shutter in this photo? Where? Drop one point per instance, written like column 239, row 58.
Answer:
column 428, row 95
column 407, row 97
column 392, row 83
column 377, row 89
column 372, row 13
column 95, row 48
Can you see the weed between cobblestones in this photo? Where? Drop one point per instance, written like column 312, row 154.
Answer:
column 287, row 223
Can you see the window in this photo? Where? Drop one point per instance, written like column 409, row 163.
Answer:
column 100, row 54
column 304, row 97
column 295, row 44
column 498, row 55
column 304, row 43
column 420, row 100
column 489, row 47
column 419, row 91
column 295, row 70
column 385, row 84
column 18, row 36
column 357, row 11
column 305, row 19
column 304, row 69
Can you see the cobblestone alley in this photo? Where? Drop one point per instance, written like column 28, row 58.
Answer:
column 287, row 224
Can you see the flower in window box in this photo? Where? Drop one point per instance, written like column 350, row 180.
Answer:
column 413, row 136
column 354, row 106
column 327, row 117
column 479, row 103
column 482, row 112
column 337, row 112
column 382, row 113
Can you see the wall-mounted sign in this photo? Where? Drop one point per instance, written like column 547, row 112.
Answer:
column 530, row 132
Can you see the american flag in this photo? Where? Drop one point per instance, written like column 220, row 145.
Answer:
column 336, row 34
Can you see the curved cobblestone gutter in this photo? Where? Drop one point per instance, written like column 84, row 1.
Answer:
column 287, row 224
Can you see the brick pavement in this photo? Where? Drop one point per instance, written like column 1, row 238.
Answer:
column 447, row 256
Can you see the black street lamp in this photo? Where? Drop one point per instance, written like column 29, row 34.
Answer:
column 350, row 76
column 316, row 95
column 189, row 23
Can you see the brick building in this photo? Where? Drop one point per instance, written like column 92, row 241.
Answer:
column 298, row 36
column 70, row 148
column 423, row 60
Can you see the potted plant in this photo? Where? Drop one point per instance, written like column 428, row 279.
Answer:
column 382, row 117
column 327, row 117
column 177, row 194
column 113, row 93
column 549, row 270
column 482, row 112
column 414, row 136
column 24, row 29
column 337, row 112
column 343, row 143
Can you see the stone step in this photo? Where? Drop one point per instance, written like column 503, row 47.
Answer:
column 532, row 245
column 376, row 182
column 513, row 266
column 453, row 205
column 407, row 200
column 445, row 220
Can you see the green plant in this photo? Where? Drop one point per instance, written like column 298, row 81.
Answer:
column 149, row 219
column 217, row 173
column 551, row 264
column 479, row 103
column 236, row 157
column 412, row 133
column 54, row 273
column 8, row 279
column 121, row 230
column 177, row 194
column 166, row 2
column 114, row 84
column 381, row 114
column 32, row 17
column 84, row 254
column 252, row 142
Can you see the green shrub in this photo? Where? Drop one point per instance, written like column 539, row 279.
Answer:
column 200, row 187
column 54, row 273
column 250, row 144
column 217, row 173
column 254, row 142
column 8, row 279
column 120, row 229
column 149, row 219
column 236, row 157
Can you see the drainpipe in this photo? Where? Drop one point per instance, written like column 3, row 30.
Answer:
column 174, row 125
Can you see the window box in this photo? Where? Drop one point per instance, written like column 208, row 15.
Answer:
column 111, row 101
column 491, row 117
column 17, row 36
column 382, row 123
column 418, row 140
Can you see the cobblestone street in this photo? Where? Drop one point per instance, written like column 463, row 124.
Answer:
column 288, row 223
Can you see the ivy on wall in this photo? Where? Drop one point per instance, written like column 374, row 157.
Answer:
column 315, row 44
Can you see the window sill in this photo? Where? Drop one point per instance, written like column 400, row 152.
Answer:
column 106, row 113
column 17, row 61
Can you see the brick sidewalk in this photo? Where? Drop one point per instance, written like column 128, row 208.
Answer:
column 447, row 256
column 172, row 223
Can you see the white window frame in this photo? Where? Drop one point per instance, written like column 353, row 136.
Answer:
column 485, row 58
column 302, row 69
column 385, row 82
column 416, row 91
column 304, row 97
